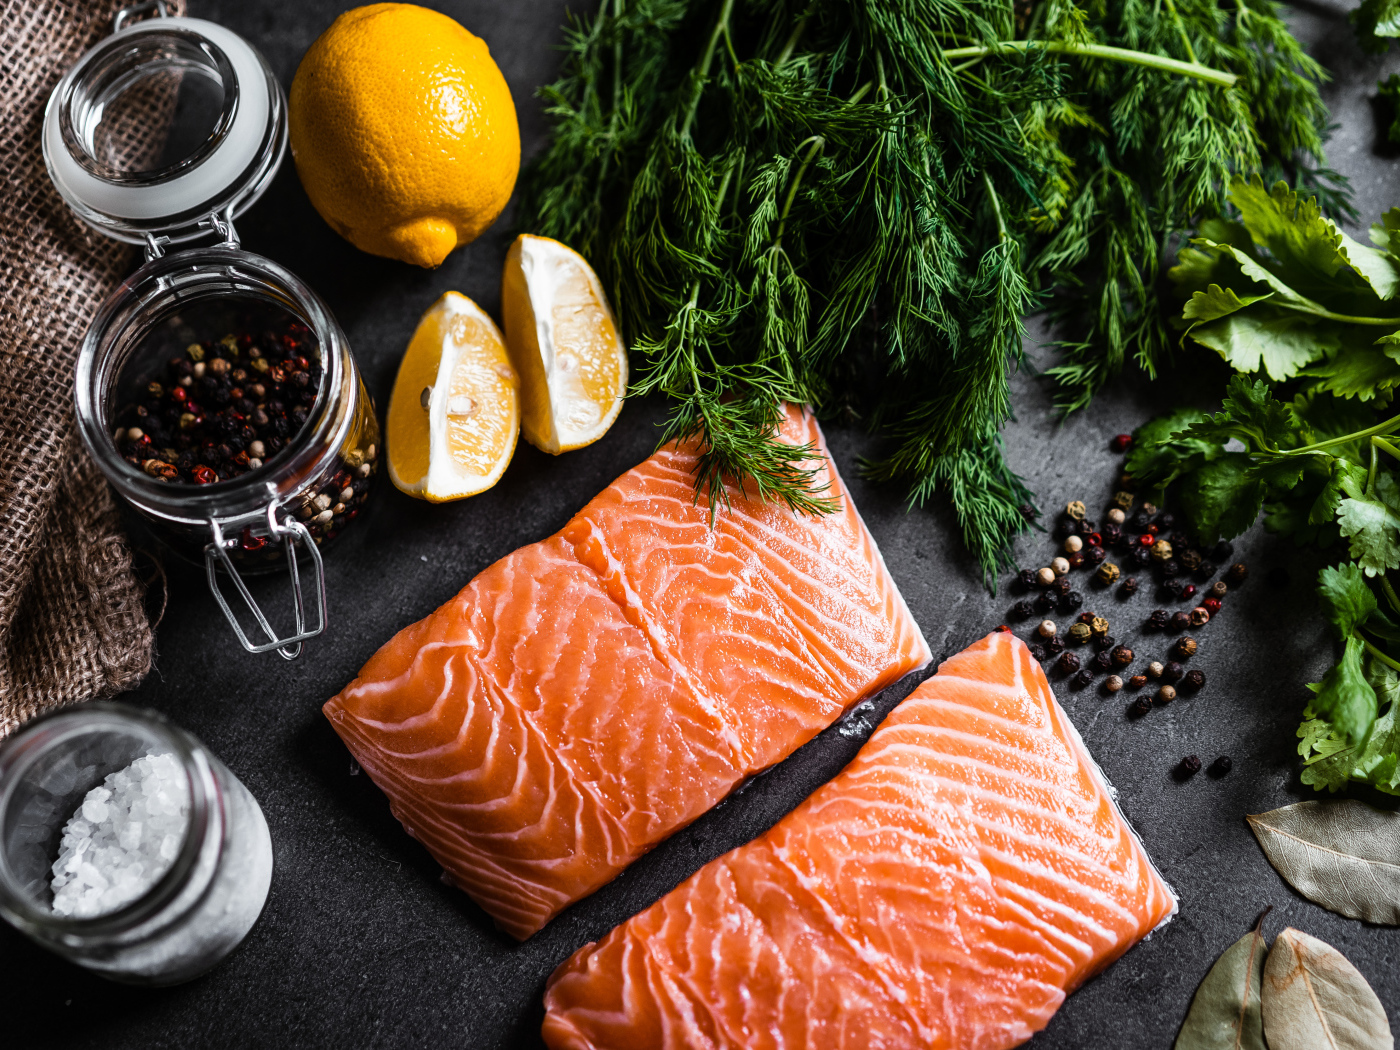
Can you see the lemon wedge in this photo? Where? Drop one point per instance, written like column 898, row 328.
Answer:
column 563, row 341
column 454, row 416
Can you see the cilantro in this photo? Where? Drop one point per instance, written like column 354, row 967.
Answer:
column 1346, row 600
column 1344, row 697
column 1373, row 526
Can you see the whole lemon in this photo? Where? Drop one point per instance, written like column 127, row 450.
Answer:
column 404, row 132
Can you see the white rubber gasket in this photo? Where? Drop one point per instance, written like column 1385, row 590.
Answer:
column 206, row 181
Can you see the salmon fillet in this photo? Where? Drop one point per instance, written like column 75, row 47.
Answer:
column 588, row 695
column 946, row 891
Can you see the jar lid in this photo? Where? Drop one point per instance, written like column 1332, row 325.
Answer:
column 165, row 129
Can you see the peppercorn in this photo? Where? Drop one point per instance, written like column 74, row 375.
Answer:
column 1142, row 557
column 1221, row 767
column 1076, row 509
column 1071, row 601
column 1038, row 651
column 1140, row 520
column 1122, row 656
column 1055, row 645
column 1188, row 590
column 1181, row 621
column 1029, row 512
column 1108, row 574
column 1190, row 559
column 1219, row 589
column 1080, row 633
column 1099, row 625
column 1093, row 539
column 1113, row 683
column 1121, row 442
column 1147, row 540
column 1086, row 617
column 1046, row 628
column 1112, row 535
column 1173, row 672
column 1083, row 678
column 1044, row 602
column 1139, row 707
column 1045, row 577
column 1195, row 680
column 1159, row 619
column 1130, row 586
column 1200, row 616
column 1116, row 516
column 1171, row 567
column 1101, row 662
column 1061, row 586
column 1161, row 551
column 1104, row 642
column 1137, row 681
column 1185, row 648
column 1075, row 560
column 1073, row 543
column 1150, row 509
column 1187, row 768
column 1059, row 566
column 1165, row 695
column 1096, row 555
column 1123, row 500
column 1222, row 551
column 1277, row 578
column 1021, row 611
column 1236, row 574
column 1211, row 605
column 1067, row 664
column 1155, row 669
column 1026, row 578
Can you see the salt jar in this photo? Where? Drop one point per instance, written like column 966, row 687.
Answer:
column 194, row 914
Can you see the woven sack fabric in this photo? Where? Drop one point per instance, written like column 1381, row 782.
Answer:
column 72, row 622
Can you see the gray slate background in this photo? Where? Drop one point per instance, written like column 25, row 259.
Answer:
column 361, row 945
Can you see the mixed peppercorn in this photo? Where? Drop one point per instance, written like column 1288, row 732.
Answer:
column 1139, row 537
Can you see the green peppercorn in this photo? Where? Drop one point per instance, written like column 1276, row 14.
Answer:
column 1107, row 574
column 1076, row 509
column 1123, row 500
column 1080, row 633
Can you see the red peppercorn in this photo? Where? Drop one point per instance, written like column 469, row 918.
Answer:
column 1152, row 530
column 1094, row 539
column 1075, row 559
column 204, row 475
column 1211, row 605
column 1188, row 591
column 179, row 393
column 1086, row 617
column 1121, row 442
column 1147, row 539
column 249, row 542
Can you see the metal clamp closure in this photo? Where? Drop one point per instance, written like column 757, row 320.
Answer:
column 131, row 11
column 289, row 532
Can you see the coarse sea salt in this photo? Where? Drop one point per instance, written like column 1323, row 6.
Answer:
column 123, row 838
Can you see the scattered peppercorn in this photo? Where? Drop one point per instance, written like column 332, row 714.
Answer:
column 1101, row 662
column 1038, row 651
column 1147, row 540
column 1067, row 664
column 1064, row 528
column 1046, row 629
column 1155, row 669
column 1070, row 601
column 1085, row 528
column 1137, row 681
column 1219, row 589
column 1104, row 642
column 1060, row 566
column 1086, row 617
column 1188, row 591
column 1045, row 577
column 1108, row 574
column 1161, row 551
column 1185, row 648
column 1190, row 560
column 1141, row 520
column 1130, row 586
column 1150, row 509
column 1080, row 633
column 1021, row 610
column 1123, row 500
column 1113, row 535
column 1159, row 618
column 1277, row 578
column 1026, row 577
column 1099, row 625
column 1139, row 707
column 1171, row 567
column 1221, row 766
column 1044, row 602
column 1121, row 442
column 1116, row 516
column 1113, row 683
column 1187, row 768
column 1061, row 586
column 1181, row 621
column 1029, row 512
column 1073, row 543
column 1195, row 680
column 1096, row 555
column 1083, row 678
column 1211, row 605
column 1142, row 556
column 1075, row 560
column 1122, row 656
column 1200, row 616
column 1055, row 645
column 1166, row 695
column 1236, row 574
column 1076, row 509
column 1172, row 672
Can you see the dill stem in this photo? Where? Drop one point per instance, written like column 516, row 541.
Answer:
column 817, row 142
column 1181, row 30
column 721, row 24
column 1111, row 54
column 791, row 44
column 996, row 205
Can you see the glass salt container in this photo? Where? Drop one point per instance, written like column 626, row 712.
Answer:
column 196, row 913
column 222, row 117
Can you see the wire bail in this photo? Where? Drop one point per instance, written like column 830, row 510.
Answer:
column 290, row 532
column 119, row 20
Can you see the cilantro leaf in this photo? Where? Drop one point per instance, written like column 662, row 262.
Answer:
column 1252, row 414
column 1223, row 497
column 1163, row 450
column 1373, row 526
column 1347, row 602
column 1376, row 268
column 1331, row 761
column 1344, row 697
column 1217, row 302
column 1281, row 342
column 1342, row 477
column 1365, row 372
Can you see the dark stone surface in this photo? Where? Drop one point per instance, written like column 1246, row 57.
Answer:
column 361, row 944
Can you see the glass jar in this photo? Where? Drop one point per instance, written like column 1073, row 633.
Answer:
column 161, row 135
column 194, row 914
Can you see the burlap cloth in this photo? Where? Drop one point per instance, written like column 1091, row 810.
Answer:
column 72, row 621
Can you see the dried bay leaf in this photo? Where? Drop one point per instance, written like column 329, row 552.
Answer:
column 1343, row 854
column 1314, row 999
column 1225, row 1012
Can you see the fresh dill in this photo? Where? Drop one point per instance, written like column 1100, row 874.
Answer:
column 855, row 203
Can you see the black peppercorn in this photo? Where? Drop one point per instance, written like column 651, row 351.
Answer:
column 1185, row 648
column 1181, row 621
column 1171, row 567
column 1112, row 534
column 1021, row 610
column 1044, row 603
column 1195, row 681
column 1087, row 617
column 1071, row 601
column 1141, row 520
column 1083, row 678
column 1222, row 551
column 1038, row 651
column 1221, row 766
column 1172, row 672
column 1137, row 681
column 1026, row 578
column 1101, row 662
column 1083, row 528
column 1130, row 586
column 1166, row 521
column 1142, row 555
column 1068, row 663
column 1190, row 560
column 1064, row 529
column 1055, row 645
column 1061, row 586
column 1139, row 707
column 1121, row 655
column 1096, row 555
column 1236, row 574
column 1188, row 767
column 1159, row 619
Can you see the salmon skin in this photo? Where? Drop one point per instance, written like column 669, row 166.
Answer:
column 590, row 694
column 946, row 891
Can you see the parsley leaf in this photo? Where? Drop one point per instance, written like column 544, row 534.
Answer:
column 1347, row 602
column 1373, row 526
column 1344, row 696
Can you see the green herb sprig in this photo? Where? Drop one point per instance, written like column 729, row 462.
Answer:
column 855, row 203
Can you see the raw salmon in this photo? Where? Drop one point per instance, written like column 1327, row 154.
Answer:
column 588, row 695
column 946, row 891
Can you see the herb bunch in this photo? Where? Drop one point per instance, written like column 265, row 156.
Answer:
column 1281, row 292
column 855, row 203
